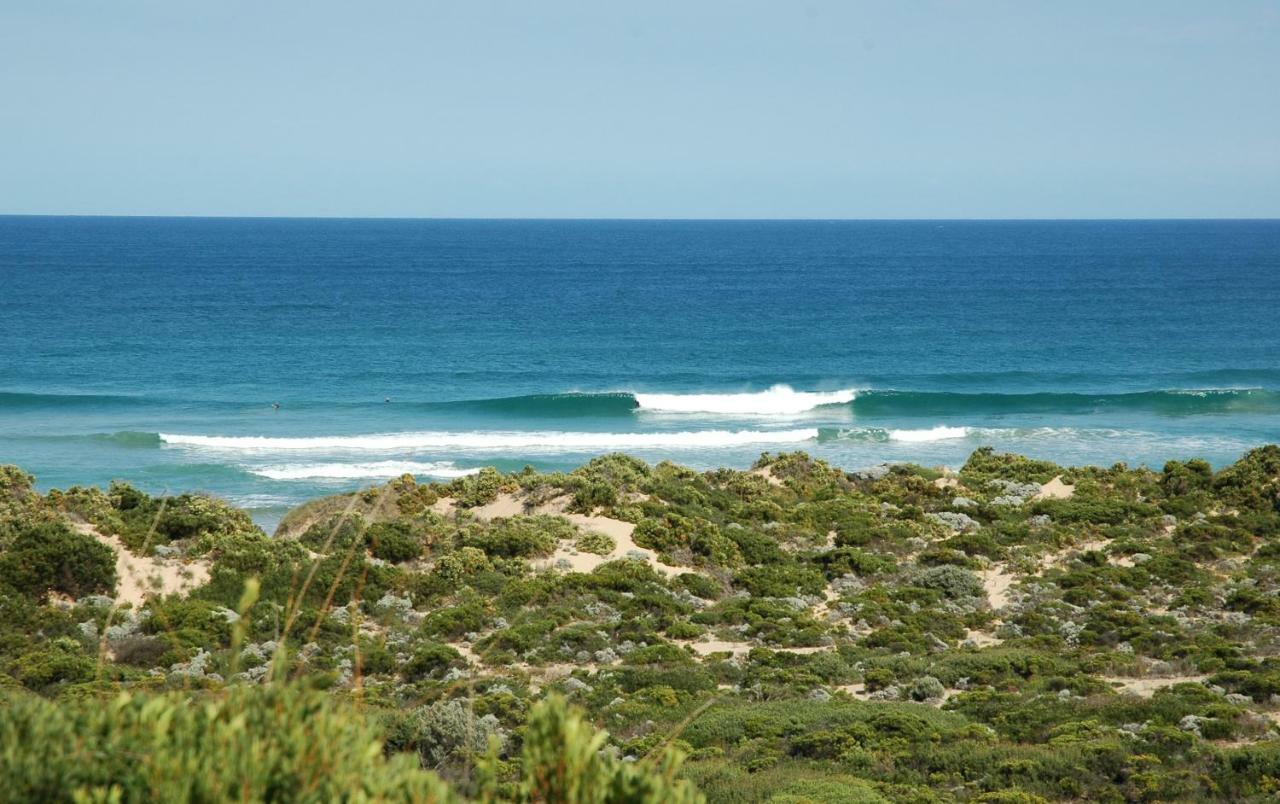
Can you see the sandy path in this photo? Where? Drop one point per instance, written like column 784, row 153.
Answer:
column 708, row 647
column 1146, row 687
column 143, row 576
column 996, row 582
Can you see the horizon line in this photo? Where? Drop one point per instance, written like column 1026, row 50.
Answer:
column 640, row 219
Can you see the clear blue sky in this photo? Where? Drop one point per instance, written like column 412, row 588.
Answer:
column 726, row 108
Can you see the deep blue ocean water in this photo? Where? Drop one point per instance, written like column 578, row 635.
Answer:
column 153, row 349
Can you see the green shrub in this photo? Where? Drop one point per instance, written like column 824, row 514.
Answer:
column 562, row 761
column 51, row 557
column 250, row 744
column 479, row 489
column 986, row 464
column 430, row 660
column 445, row 731
column 595, row 542
column 62, row 661
column 519, row 536
column 954, row 582
column 393, row 541
column 781, row 580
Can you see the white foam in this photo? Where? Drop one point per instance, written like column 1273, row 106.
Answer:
column 349, row 471
column 939, row 433
column 778, row 400
column 530, row 441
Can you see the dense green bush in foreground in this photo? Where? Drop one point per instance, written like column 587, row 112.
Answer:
column 286, row 743
column 1012, row 631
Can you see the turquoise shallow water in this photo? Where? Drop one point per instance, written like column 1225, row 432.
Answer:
column 153, row 350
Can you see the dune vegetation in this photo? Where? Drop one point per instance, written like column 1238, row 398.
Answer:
column 1014, row 631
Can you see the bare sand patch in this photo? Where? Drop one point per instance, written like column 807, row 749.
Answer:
column 140, row 577
column 1060, row 556
column 466, row 651
column 624, row 547
column 767, row 475
column 710, row 646
column 982, row 639
column 555, row 506
column 1146, row 687
column 1055, row 490
column 509, row 505
column 505, row 505
column 996, row 582
column 719, row 646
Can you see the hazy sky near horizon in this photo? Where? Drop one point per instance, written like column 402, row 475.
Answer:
column 691, row 108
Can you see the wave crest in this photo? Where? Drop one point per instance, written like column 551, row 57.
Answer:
column 939, row 433
column 778, row 400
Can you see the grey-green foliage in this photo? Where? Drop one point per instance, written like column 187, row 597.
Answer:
column 447, row 729
column 953, row 582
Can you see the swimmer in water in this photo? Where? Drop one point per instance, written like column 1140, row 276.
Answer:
column 275, row 405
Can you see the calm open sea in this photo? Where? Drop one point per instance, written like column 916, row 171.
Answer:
column 153, row 349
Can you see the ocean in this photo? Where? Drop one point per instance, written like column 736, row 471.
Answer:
column 269, row 361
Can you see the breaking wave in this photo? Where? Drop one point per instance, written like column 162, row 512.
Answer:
column 351, row 471
column 532, row 441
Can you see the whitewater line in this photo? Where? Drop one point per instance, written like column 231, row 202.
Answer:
column 778, row 400
column 532, row 441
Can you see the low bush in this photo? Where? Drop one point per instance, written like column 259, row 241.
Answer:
column 52, row 557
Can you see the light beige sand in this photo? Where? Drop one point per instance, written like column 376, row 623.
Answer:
column 997, row 582
column 947, row 482
column 830, row 599
column 624, row 547
column 466, row 651
column 1059, row 557
column 1146, row 687
column 710, row 646
column 507, row 505
column 982, row 639
column 141, row 577
column 719, row 646
column 767, row 475
column 1055, row 490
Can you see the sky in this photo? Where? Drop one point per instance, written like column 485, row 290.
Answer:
column 654, row 109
